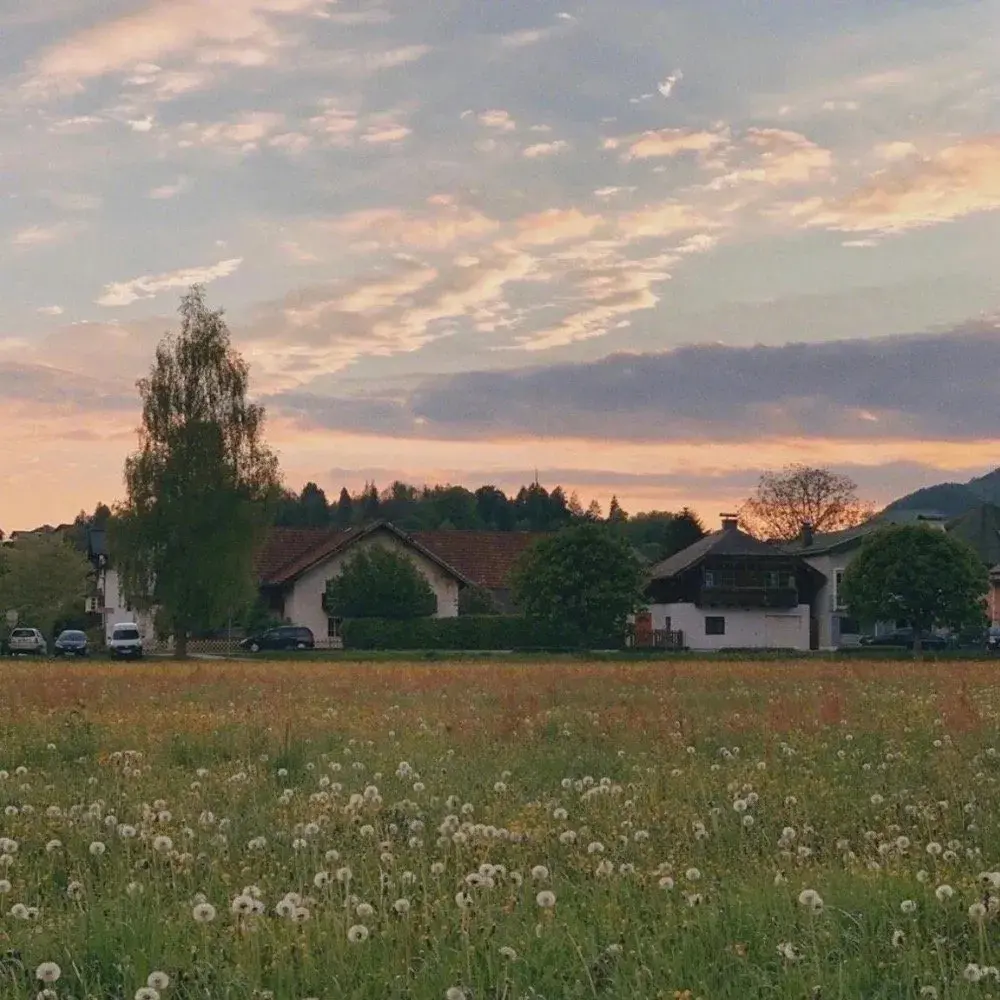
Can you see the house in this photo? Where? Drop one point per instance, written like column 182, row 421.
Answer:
column 109, row 602
column 830, row 553
column 731, row 591
column 295, row 565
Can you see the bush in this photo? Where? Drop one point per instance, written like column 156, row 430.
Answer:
column 468, row 632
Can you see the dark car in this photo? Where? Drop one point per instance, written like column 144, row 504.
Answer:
column 903, row 638
column 993, row 639
column 282, row 637
column 70, row 643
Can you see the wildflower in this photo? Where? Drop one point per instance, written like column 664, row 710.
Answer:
column 344, row 875
column 147, row 993
column 908, row 906
column 507, row 952
column 97, row 848
column 944, row 893
column 365, row 911
column 595, row 847
column 163, row 845
column 454, row 993
column 463, row 900
column 402, row 907
column 546, row 899
column 357, row 934
column 158, row 980
column 52, row 846
column 74, row 889
column 285, row 908
column 692, row 874
column 48, row 972
column 789, row 952
column 203, row 913
column 812, row 900
column 540, row 873
column 930, row 992
column 972, row 973
column 934, row 849
column 977, row 911
column 321, row 880
column 898, row 939
column 4, row 886
column 666, row 883
column 20, row 912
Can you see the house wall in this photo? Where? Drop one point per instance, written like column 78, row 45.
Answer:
column 745, row 629
column 304, row 600
column 116, row 610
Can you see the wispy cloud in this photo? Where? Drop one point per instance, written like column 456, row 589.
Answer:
column 39, row 236
column 540, row 149
column 166, row 191
column 123, row 293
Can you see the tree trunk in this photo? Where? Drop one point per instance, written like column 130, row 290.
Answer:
column 180, row 640
column 918, row 646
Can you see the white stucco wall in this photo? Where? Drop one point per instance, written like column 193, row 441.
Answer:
column 117, row 611
column 829, row 564
column 745, row 629
column 304, row 602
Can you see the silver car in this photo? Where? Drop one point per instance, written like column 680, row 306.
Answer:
column 27, row 641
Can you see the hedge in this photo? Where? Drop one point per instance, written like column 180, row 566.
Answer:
column 469, row 632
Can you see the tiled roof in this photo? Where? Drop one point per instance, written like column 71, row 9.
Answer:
column 485, row 557
column 285, row 546
column 482, row 557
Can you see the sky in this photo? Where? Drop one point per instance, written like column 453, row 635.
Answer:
column 642, row 248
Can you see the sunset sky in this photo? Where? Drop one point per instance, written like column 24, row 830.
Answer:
column 645, row 248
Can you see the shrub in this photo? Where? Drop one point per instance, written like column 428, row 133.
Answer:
column 468, row 632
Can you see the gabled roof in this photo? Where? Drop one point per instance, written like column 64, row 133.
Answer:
column 487, row 558
column 727, row 542
column 832, row 541
column 326, row 545
column 980, row 528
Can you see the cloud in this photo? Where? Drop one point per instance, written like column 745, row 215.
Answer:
column 555, row 226
column 389, row 133
column 166, row 191
column 778, row 158
column 672, row 142
column 38, row 236
column 529, row 36
column 51, row 310
column 164, row 29
column 960, row 180
column 892, row 152
column 931, row 387
column 243, row 134
column 123, row 293
column 541, row 149
column 442, row 223
column 141, row 124
column 499, row 119
column 666, row 88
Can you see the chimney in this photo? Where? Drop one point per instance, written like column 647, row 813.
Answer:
column 806, row 537
column 730, row 522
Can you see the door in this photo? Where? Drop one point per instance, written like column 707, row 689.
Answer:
column 783, row 631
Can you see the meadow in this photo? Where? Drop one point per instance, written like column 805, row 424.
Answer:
column 495, row 832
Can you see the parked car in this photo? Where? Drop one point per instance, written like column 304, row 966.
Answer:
column 903, row 637
column 70, row 642
column 126, row 641
column 282, row 637
column 27, row 641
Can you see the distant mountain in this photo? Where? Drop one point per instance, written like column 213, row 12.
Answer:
column 951, row 500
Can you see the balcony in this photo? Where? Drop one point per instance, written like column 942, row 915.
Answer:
column 748, row 597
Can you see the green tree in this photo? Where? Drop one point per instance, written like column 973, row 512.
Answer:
column 917, row 574
column 44, row 578
column 201, row 486
column 345, row 509
column 798, row 495
column 476, row 601
column 585, row 574
column 380, row 583
column 615, row 513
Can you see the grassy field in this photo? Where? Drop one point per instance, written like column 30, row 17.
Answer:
column 486, row 831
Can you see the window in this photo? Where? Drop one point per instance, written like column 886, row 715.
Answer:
column 709, row 578
column 715, row 625
column 838, row 579
column 333, row 626
column 773, row 579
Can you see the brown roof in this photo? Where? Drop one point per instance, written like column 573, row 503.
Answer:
column 284, row 546
column 727, row 542
column 485, row 558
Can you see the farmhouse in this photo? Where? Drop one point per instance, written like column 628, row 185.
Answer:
column 295, row 565
column 730, row 591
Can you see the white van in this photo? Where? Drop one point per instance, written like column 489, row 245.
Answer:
column 126, row 641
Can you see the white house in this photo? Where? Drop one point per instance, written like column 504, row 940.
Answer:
column 296, row 588
column 730, row 591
